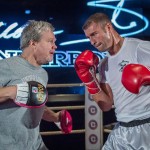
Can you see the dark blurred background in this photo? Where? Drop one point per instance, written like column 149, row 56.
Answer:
column 68, row 17
column 130, row 18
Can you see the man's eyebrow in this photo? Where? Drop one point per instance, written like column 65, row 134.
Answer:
column 54, row 39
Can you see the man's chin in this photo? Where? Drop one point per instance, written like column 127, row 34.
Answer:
column 101, row 50
column 47, row 62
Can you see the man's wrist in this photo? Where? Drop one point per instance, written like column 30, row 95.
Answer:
column 11, row 92
column 7, row 93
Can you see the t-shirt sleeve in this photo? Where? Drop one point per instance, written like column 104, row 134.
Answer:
column 143, row 53
column 5, row 73
column 102, row 71
column 46, row 77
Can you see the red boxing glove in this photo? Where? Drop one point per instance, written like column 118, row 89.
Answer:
column 85, row 65
column 134, row 76
column 65, row 121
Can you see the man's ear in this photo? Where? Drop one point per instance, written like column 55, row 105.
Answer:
column 32, row 43
column 108, row 29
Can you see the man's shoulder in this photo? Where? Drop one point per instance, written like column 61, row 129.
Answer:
column 134, row 40
column 9, row 59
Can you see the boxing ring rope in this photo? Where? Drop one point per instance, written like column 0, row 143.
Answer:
column 108, row 128
column 65, row 97
column 59, row 132
column 67, row 107
column 100, row 129
column 65, row 85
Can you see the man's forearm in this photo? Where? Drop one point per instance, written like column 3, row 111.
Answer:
column 104, row 98
column 103, row 101
column 50, row 115
column 7, row 93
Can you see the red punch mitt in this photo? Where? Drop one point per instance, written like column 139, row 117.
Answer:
column 65, row 121
column 134, row 76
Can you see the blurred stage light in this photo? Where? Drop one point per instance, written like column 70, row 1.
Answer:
column 27, row 11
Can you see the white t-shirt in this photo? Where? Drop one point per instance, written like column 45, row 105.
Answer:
column 128, row 106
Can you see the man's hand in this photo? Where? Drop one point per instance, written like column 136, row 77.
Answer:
column 134, row 76
column 85, row 65
column 65, row 124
